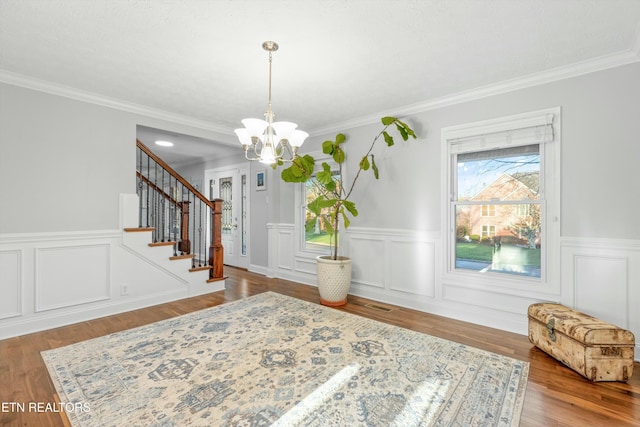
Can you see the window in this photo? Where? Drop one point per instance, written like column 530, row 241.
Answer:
column 488, row 210
column 488, row 231
column 315, row 234
column 314, row 237
column 502, row 188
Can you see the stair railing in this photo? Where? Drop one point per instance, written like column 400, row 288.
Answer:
column 177, row 212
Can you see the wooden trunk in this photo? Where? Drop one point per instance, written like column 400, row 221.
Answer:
column 595, row 349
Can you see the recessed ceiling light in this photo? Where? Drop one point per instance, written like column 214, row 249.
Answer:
column 164, row 143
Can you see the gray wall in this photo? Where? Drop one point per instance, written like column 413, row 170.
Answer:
column 64, row 163
column 600, row 157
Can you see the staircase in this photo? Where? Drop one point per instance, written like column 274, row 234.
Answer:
column 178, row 228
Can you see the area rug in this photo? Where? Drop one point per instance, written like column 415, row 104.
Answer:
column 276, row 360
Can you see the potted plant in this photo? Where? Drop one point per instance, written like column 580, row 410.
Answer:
column 333, row 206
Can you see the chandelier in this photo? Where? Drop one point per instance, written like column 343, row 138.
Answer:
column 266, row 141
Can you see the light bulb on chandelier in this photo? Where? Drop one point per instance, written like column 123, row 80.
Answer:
column 266, row 141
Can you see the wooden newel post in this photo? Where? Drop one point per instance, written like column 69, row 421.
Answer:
column 184, row 245
column 216, row 252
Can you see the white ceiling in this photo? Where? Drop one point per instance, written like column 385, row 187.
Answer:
column 339, row 61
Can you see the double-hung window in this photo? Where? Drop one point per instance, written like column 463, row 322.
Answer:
column 502, row 204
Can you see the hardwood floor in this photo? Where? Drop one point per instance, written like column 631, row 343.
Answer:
column 556, row 396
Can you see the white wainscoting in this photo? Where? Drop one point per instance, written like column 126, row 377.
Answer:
column 405, row 267
column 54, row 279
column 601, row 277
column 11, row 279
column 71, row 275
column 396, row 262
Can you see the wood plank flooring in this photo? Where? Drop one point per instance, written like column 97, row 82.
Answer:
column 556, row 396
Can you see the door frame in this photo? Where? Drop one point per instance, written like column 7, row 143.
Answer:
column 238, row 170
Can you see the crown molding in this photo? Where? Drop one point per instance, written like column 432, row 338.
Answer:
column 105, row 101
column 555, row 74
column 523, row 82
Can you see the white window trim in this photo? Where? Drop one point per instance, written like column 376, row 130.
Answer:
column 543, row 127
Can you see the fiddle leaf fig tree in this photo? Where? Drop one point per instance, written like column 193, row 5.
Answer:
column 332, row 203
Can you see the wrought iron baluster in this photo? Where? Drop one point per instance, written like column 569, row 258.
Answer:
column 139, row 185
column 163, row 204
column 200, row 236
column 174, row 217
column 148, row 189
column 192, row 227
column 154, row 215
column 170, row 205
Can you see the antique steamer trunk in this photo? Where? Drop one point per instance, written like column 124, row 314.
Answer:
column 595, row 349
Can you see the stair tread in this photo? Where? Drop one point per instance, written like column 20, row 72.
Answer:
column 204, row 267
column 162, row 243
column 137, row 229
column 173, row 258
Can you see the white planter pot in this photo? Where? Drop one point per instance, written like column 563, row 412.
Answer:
column 334, row 280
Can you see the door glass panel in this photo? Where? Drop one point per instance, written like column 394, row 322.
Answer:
column 226, row 187
column 244, row 214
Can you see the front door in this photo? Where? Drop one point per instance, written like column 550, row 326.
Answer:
column 230, row 185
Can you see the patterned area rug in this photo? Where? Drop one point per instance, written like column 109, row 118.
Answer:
column 276, row 360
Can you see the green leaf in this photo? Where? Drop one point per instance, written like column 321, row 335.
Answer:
column 324, row 178
column 314, row 206
column 310, row 224
column 328, row 226
column 351, row 207
column 327, row 203
column 340, row 138
column 301, row 169
column 320, row 203
column 403, row 132
column 374, row 167
column 388, row 138
column 388, row 120
column 288, row 175
column 338, row 155
column 345, row 219
column 296, row 170
column 307, row 163
column 327, row 147
column 408, row 129
column 364, row 163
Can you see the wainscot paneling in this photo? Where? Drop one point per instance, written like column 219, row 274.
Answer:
column 285, row 256
column 405, row 267
column 495, row 301
column 71, row 275
column 10, row 283
column 306, row 265
column 600, row 277
column 421, row 255
column 368, row 255
column 55, row 279
column 602, row 287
